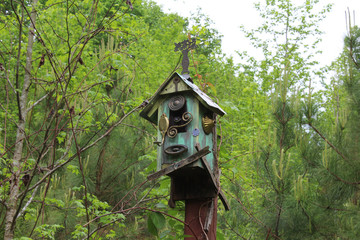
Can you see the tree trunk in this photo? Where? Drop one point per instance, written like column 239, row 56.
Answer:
column 11, row 204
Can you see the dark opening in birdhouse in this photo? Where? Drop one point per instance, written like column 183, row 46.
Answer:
column 177, row 105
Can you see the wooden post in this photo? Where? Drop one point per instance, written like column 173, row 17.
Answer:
column 201, row 217
column 201, row 214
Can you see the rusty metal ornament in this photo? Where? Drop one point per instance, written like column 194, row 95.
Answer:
column 176, row 149
column 185, row 47
column 163, row 126
column 207, row 124
column 172, row 131
column 176, row 103
column 176, row 82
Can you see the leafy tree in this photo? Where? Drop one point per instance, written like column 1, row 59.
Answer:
column 74, row 156
column 336, row 127
column 53, row 86
column 265, row 190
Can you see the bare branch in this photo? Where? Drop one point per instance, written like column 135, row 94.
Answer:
column 37, row 102
column 83, row 149
column 328, row 142
column 27, row 203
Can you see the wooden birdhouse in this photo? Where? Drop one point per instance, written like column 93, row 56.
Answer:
column 186, row 118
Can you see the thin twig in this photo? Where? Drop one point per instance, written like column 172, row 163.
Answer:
column 328, row 142
column 37, row 102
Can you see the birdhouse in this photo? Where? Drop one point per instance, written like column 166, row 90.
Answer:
column 185, row 118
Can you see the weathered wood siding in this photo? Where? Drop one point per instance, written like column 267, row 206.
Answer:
column 186, row 138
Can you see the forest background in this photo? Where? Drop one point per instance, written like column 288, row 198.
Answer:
column 75, row 154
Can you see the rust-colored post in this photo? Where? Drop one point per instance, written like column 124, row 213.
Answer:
column 200, row 219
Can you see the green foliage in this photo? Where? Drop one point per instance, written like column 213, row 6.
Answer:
column 156, row 222
column 89, row 63
column 269, row 181
column 289, row 154
column 80, row 232
column 47, row 231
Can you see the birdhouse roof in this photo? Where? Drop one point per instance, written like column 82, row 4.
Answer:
column 183, row 85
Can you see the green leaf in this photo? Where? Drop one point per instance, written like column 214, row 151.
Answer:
column 151, row 227
column 156, row 221
column 220, row 235
column 160, row 205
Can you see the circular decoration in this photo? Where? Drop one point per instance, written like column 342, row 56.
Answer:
column 176, row 103
column 172, row 132
column 196, row 132
column 176, row 149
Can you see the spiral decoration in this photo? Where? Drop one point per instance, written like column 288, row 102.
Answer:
column 176, row 103
column 187, row 117
column 172, row 131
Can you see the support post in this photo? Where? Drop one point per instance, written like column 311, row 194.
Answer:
column 201, row 217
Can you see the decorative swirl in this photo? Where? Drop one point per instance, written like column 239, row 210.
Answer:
column 172, row 132
column 176, row 103
column 187, row 118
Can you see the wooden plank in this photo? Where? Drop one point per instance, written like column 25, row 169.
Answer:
column 209, row 217
column 207, row 167
column 224, row 200
column 171, row 87
column 175, row 166
column 212, row 177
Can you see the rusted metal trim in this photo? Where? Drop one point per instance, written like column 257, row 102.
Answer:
column 176, row 149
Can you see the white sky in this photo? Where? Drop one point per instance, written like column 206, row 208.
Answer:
column 228, row 15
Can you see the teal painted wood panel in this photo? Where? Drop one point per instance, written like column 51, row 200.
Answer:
column 185, row 138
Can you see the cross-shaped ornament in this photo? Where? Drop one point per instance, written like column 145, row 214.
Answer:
column 185, row 47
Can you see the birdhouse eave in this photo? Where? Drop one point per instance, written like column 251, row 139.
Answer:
column 149, row 111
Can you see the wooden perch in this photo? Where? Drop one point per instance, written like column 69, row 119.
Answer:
column 175, row 166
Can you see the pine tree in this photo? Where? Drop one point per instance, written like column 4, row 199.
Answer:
column 288, row 38
column 335, row 172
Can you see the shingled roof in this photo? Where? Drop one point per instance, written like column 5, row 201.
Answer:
column 148, row 112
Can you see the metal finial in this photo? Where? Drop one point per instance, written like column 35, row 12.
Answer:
column 185, row 47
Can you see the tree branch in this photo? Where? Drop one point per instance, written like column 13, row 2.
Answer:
column 328, row 142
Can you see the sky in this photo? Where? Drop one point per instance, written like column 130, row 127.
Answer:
column 228, row 15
